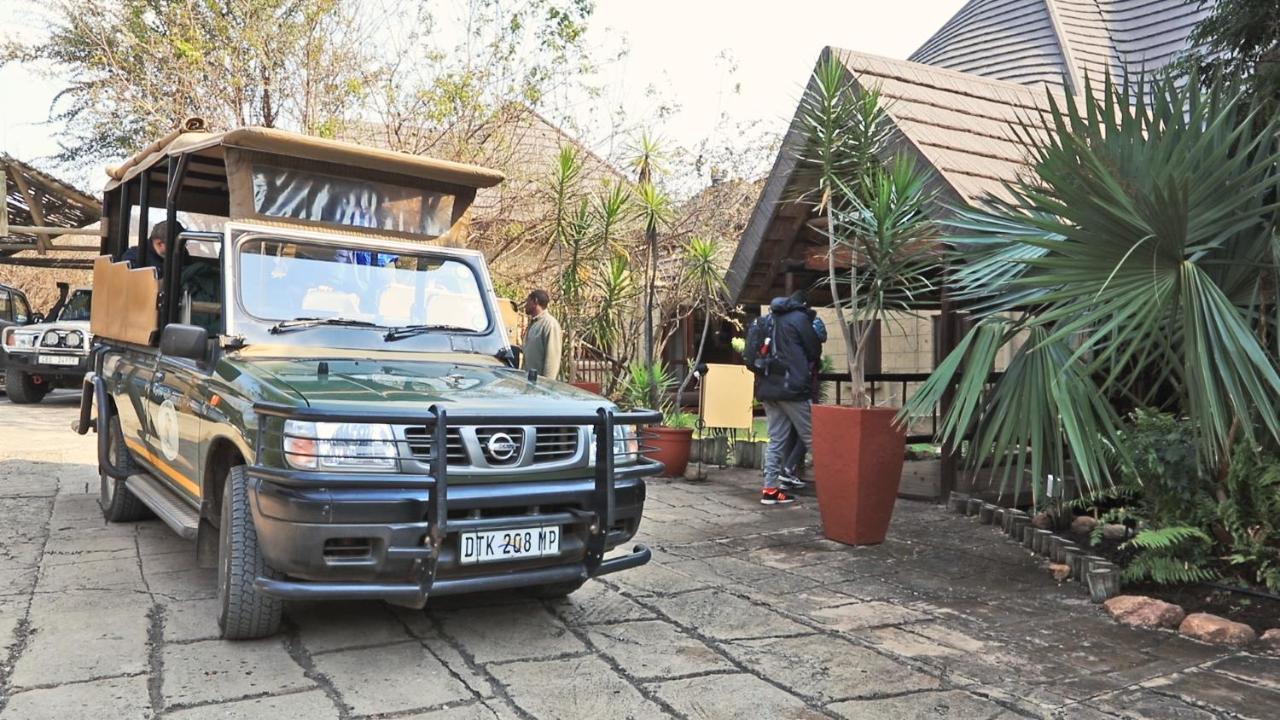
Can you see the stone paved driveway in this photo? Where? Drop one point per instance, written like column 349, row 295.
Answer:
column 745, row 613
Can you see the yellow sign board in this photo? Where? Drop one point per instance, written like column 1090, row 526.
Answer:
column 726, row 397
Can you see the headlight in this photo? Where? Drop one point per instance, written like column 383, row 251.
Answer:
column 73, row 339
column 626, row 445
column 20, row 340
column 50, row 339
column 339, row 446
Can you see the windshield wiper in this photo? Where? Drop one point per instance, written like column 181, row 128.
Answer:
column 310, row 322
column 404, row 331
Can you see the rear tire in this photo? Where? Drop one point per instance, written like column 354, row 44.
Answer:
column 556, row 591
column 22, row 390
column 245, row 613
column 119, row 504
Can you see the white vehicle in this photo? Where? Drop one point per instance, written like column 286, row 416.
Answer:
column 50, row 354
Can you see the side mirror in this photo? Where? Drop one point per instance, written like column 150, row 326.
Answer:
column 35, row 318
column 184, row 341
column 511, row 355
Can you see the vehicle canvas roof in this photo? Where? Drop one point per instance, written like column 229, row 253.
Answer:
column 193, row 140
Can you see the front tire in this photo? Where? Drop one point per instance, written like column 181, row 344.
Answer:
column 119, row 504
column 23, row 390
column 245, row 613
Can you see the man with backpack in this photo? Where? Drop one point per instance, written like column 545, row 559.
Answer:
column 782, row 349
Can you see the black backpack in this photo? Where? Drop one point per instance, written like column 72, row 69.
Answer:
column 761, row 349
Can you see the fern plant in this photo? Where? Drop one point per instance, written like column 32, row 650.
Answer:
column 1250, row 514
column 1173, row 555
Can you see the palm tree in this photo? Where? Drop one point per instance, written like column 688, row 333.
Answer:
column 1140, row 266
column 703, row 278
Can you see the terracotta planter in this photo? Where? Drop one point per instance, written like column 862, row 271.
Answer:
column 670, row 446
column 857, row 465
column 589, row 387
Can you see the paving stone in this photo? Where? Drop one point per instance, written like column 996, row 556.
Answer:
column 866, row 615
column 827, row 671
column 83, row 645
column 655, row 649
column 653, row 579
column 953, row 705
column 106, row 574
column 732, row 697
column 573, row 688
column 192, row 584
column 1220, row 691
column 596, row 603
column 907, row 644
column 510, row 633
column 723, row 616
column 1141, row 705
column 471, row 711
column 312, row 705
column 214, row 670
column 374, row 680
column 325, row 627
column 188, row 620
column 1264, row 671
column 802, row 602
column 95, row 700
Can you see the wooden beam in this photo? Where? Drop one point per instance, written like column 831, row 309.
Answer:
column 52, row 248
column 37, row 211
column 48, row 262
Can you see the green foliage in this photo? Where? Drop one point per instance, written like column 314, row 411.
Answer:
column 684, row 420
column 1250, row 514
column 642, row 382
column 1170, row 555
column 1134, row 260
column 1242, row 39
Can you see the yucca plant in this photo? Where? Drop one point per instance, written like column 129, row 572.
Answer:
column 1137, row 266
column 874, row 211
column 702, row 275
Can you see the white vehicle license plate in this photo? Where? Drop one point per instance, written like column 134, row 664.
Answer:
column 517, row 544
column 58, row 359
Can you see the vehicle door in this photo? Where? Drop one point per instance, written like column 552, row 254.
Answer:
column 178, row 393
column 6, row 309
column 128, row 373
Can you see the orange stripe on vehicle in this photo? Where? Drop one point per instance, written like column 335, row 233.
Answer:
column 163, row 466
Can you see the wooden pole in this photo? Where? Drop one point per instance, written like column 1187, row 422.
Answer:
column 37, row 211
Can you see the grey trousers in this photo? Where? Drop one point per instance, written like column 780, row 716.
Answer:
column 783, row 416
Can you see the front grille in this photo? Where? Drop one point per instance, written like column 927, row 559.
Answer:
column 555, row 443
column 419, row 441
column 501, row 446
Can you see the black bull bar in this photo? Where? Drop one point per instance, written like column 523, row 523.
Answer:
column 599, row 513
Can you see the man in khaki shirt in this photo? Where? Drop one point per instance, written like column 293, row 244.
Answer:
column 544, row 340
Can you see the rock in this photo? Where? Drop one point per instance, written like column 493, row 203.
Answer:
column 1114, row 532
column 1271, row 640
column 1083, row 524
column 1042, row 521
column 1060, row 571
column 1144, row 612
column 1213, row 629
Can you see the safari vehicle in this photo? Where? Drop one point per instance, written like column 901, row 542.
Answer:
column 42, row 354
column 15, row 311
column 323, row 394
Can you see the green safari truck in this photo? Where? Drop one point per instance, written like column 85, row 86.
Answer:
column 322, row 394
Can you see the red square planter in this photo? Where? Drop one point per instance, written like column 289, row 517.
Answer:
column 857, row 465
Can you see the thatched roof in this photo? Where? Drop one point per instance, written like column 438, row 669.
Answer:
column 56, row 203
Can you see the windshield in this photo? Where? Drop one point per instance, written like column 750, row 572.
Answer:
column 284, row 280
column 77, row 307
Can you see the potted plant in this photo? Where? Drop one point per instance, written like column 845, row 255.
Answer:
column 874, row 215
column 670, row 442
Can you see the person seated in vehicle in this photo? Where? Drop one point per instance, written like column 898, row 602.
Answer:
column 158, row 239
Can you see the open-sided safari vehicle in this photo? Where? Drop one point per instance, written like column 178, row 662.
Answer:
column 324, row 396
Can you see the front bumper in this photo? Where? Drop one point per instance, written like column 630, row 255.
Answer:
column 29, row 363
column 396, row 537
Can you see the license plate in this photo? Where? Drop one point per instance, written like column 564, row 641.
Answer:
column 517, row 544
column 58, row 359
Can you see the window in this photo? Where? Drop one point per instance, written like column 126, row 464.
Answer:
column 286, row 279
column 6, row 311
column 77, row 306
column 21, row 310
column 285, row 193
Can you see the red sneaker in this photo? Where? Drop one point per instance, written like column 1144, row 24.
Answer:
column 775, row 496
